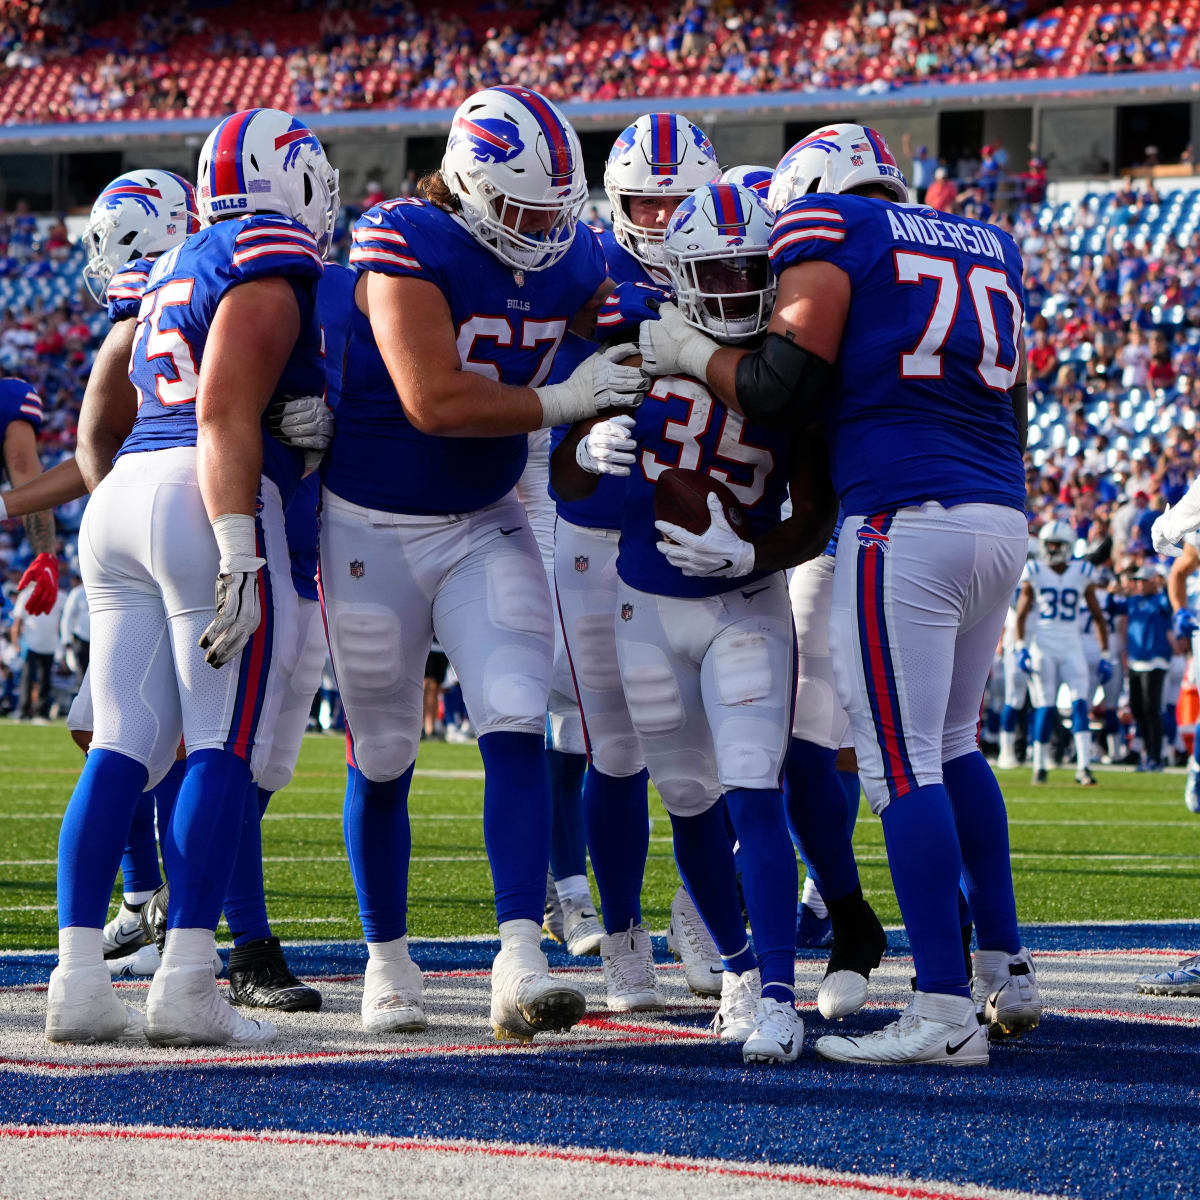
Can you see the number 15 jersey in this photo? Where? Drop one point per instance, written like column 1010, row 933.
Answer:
column 928, row 354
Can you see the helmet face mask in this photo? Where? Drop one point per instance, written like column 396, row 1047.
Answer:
column 1057, row 540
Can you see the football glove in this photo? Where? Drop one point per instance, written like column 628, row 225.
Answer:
column 628, row 305
column 238, row 613
column 1104, row 670
column 305, row 422
column 670, row 346
column 42, row 576
column 1165, row 536
column 599, row 383
column 718, row 552
column 1024, row 660
column 1183, row 624
column 608, row 449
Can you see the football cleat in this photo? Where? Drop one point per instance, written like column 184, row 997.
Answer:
column 934, row 1028
column 740, row 994
column 691, row 943
column 582, row 930
column 526, row 998
column 552, row 922
column 1005, row 991
column 259, row 978
column 858, row 948
column 124, row 934
column 1191, row 793
column 393, row 1000
column 1040, row 776
column 778, row 1034
column 138, row 965
column 1007, row 761
column 812, row 932
column 1183, row 980
column 154, row 917
column 628, row 962
column 185, row 1009
column 82, row 1007
column 1085, row 778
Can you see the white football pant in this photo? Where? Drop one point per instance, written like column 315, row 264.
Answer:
column 819, row 717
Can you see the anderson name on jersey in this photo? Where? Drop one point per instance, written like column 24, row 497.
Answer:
column 929, row 351
column 508, row 326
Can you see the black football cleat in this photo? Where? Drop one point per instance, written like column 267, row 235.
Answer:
column 259, row 977
column 154, row 917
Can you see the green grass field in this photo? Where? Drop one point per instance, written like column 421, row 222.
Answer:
column 1127, row 850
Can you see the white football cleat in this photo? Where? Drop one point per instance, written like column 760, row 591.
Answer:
column 81, row 1006
column 138, row 965
column 552, row 920
column 1007, row 762
column 123, row 935
column 934, row 1028
column 1191, row 792
column 1183, row 980
column 582, row 931
column 778, row 1034
column 628, row 961
column 841, row 993
column 526, row 999
column 393, row 997
column 185, row 1009
column 740, row 994
column 689, row 940
column 1005, row 991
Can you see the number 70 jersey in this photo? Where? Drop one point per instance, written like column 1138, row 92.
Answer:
column 928, row 352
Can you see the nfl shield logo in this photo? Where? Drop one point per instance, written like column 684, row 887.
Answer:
column 357, row 570
column 626, row 612
column 581, row 563
column 856, row 160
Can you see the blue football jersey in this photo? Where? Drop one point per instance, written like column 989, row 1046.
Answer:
column 681, row 424
column 928, row 354
column 19, row 402
column 125, row 288
column 602, row 509
column 507, row 324
column 181, row 295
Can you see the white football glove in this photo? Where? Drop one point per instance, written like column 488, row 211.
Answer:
column 599, row 383
column 238, row 613
column 608, row 449
column 670, row 346
column 1166, row 534
column 305, row 422
column 718, row 552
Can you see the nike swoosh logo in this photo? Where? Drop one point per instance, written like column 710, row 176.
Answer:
column 788, row 1048
column 506, row 532
column 755, row 590
column 955, row 1049
column 716, row 970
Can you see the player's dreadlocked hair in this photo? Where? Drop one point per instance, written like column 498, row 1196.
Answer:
column 432, row 187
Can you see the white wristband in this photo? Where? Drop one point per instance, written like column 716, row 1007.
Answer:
column 694, row 356
column 237, row 542
column 562, row 404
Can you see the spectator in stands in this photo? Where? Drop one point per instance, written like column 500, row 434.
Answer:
column 37, row 637
column 923, row 163
column 942, row 193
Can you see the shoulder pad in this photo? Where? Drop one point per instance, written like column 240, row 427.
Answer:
column 384, row 236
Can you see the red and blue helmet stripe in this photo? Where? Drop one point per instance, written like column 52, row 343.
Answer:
column 558, row 143
column 225, row 174
column 727, row 207
column 879, row 148
column 664, row 149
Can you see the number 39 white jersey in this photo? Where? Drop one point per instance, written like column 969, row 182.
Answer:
column 1060, row 602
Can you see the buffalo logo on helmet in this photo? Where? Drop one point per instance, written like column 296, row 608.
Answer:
column 299, row 135
column 357, row 569
column 626, row 612
column 872, row 539
column 493, row 139
column 581, row 563
column 702, row 142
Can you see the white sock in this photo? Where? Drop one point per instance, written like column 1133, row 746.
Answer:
column 189, row 948
column 520, row 933
column 79, row 946
column 1008, row 744
column 1039, row 756
column 395, row 951
column 136, row 899
column 574, row 887
column 811, row 898
column 1083, row 749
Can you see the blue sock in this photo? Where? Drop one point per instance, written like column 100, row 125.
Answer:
column 1170, row 724
column 618, row 838
column 1008, row 718
column 516, row 822
column 1079, row 716
column 923, row 854
column 769, row 885
column 817, row 819
column 93, row 835
column 453, row 708
column 982, row 824
column 851, row 787
column 245, row 898
column 166, row 792
column 568, row 842
column 379, row 843
column 705, row 860
column 139, row 863
column 201, row 845
column 1043, row 721
column 993, row 724
column 1112, row 723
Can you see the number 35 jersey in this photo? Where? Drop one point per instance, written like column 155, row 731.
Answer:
column 1060, row 602
column 507, row 326
column 681, row 424
column 178, row 304
column 928, row 354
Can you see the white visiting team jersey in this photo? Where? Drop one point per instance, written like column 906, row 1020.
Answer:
column 1060, row 601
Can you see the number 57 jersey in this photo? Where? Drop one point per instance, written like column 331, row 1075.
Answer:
column 928, row 353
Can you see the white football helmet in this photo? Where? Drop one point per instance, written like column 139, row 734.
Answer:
column 836, row 158
column 716, row 254
column 512, row 156
column 1057, row 540
column 265, row 160
column 660, row 154
column 138, row 215
column 757, row 179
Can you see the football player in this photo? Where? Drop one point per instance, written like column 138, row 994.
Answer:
column 1109, row 690
column 463, row 296
column 901, row 327
column 653, row 165
column 1060, row 586
column 227, row 321
column 704, row 637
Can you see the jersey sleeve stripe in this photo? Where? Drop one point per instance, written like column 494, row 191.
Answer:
column 367, row 254
column 31, row 410
column 301, row 236
column 800, row 235
column 380, row 235
column 279, row 249
column 808, row 214
column 124, row 293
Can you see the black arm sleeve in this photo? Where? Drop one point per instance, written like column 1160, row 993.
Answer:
column 781, row 385
column 1020, row 403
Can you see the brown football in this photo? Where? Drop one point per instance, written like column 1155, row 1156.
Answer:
column 681, row 497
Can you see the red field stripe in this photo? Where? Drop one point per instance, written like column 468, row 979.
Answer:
column 1116, row 1014
column 900, row 1190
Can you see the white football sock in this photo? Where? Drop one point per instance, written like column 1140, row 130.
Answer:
column 1039, row 756
column 520, row 932
column 573, row 887
column 392, row 952
column 1083, row 749
column 79, row 946
column 136, row 899
column 811, row 898
column 1008, row 743
column 189, row 948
